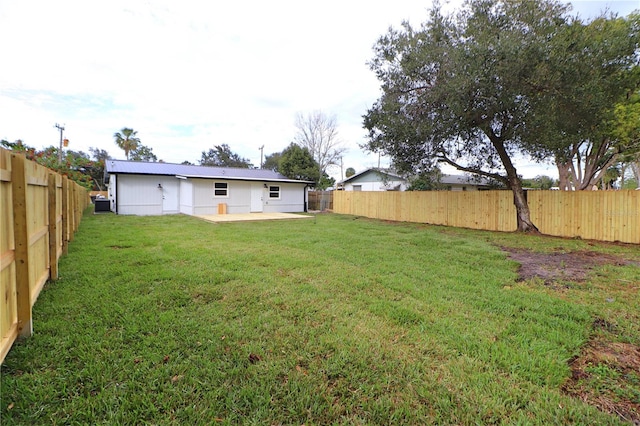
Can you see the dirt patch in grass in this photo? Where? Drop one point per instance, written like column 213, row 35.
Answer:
column 606, row 375
column 551, row 267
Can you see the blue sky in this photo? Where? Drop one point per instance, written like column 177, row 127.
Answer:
column 191, row 74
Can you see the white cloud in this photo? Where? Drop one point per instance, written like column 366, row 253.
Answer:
column 191, row 74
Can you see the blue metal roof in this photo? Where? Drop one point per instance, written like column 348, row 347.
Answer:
column 190, row 171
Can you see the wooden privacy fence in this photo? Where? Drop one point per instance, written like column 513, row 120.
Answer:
column 597, row 215
column 40, row 211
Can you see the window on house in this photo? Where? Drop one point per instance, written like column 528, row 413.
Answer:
column 274, row 192
column 357, row 187
column 221, row 189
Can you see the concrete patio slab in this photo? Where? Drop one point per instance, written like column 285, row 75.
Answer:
column 240, row 217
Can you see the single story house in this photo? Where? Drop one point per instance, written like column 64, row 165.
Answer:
column 140, row 188
column 374, row 179
column 378, row 179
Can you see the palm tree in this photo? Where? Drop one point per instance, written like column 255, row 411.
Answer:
column 126, row 140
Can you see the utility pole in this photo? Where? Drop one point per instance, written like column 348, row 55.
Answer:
column 61, row 128
column 261, row 151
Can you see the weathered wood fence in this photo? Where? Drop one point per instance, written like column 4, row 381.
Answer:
column 40, row 211
column 597, row 215
column 320, row 200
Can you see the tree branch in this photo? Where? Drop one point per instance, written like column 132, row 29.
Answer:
column 444, row 159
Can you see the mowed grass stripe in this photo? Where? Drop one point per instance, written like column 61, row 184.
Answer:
column 336, row 320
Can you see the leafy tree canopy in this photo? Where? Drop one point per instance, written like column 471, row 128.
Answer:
column 586, row 118
column 272, row 161
column 428, row 180
column 473, row 89
column 76, row 165
column 222, row 156
column 297, row 163
column 350, row 172
column 540, row 182
column 143, row 153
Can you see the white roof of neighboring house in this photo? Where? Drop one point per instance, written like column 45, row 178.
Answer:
column 390, row 175
column 464, row 180
column 191, row 171
column 444, row 179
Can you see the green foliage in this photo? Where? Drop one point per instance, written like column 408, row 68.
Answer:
column 142, row 153
column 349, row 321
column 272, row 161
column 77, row 166
column 426, row 181
column 222, row 156
column 17, row 146
column 585, row 116
column 540, row 182
column 460, row 90
column 127, row 140
column 630, row 184
column 626, row 126
column 350, row 172
column 298, row 163
column 326, row 182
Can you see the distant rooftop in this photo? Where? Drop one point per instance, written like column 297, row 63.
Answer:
column 191, row 171
column 444, row 179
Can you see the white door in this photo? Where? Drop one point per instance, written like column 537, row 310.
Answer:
column 170, row 197
column 257, row 193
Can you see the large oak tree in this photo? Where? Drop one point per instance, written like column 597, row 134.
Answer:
column 462, row 89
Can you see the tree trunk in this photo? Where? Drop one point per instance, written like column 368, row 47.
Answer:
column 519, row 197
column 523, row 213
column 635, row 167
column 564, row 176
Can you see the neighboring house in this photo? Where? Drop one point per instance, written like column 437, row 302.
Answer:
column 139, row 188
column 465, row 183
column 376, row 179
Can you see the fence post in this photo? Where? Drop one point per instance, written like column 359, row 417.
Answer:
column 65, row 214
column 21, row 235
column 74, row 211
column 53, row 228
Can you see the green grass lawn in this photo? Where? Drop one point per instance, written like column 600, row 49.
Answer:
column 333, row 320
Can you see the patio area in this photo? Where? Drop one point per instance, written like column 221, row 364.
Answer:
column 240, row 217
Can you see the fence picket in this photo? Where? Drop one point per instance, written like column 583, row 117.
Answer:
column 597, row 215
column 36, row 205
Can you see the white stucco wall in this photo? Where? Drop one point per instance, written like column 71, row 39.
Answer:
column 142, row 195
column 238, row 199
column 291, row 200
column 375, row 186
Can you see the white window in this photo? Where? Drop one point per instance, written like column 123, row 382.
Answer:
column 220, row 190
column 357, row 187
column 274, row 192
